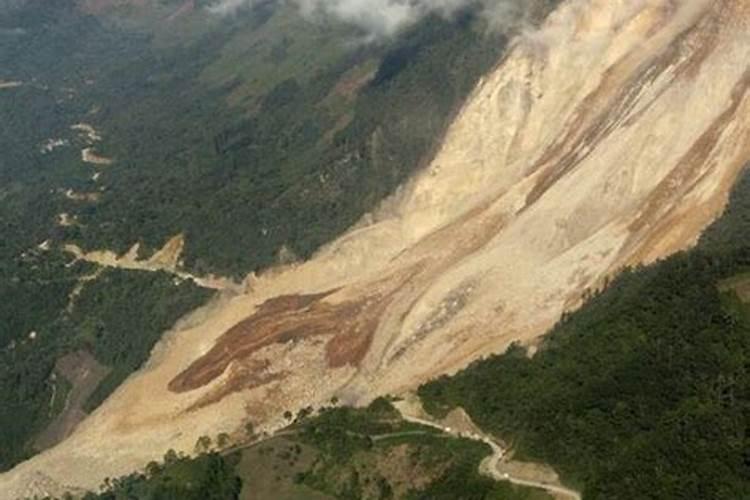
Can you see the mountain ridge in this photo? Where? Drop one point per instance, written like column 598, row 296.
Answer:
column 609, row 138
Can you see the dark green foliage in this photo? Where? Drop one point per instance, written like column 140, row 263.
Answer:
column 118, row 317
column 732, row 230
column 239, row 181
column 33, row 291
column 346, row 474
column 351, row 441
column 340, row 432
column 644, row 392
column 208, row 477
column 122, row 315
column 25, row 392
column 462, row 481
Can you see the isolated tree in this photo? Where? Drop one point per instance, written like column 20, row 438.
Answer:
column 203, row 445
column 222, row 440
column 152, row 468
column 170, row 457
column 250, row 429
column 304, row 413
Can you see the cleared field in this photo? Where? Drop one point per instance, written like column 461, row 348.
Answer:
column 268, row 471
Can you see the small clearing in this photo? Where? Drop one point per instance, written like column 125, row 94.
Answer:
column 167, row 259
column 52, row 144
column 87, row 131
column 9, row 84
column 66, row 220
column 82, row 197
column 89, row 156
column 90, row 136
column 739, row 284
column 269, row 471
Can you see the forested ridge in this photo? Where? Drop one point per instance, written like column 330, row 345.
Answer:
column 287, row 158
column 645, row 391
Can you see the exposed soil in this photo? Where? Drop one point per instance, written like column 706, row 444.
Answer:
column 66, row 220
column 88, row 155
column 83, row 197
column 84, row 373
column 167, row 258
column 9, row 85
column 610, row 137
column 350, row 325
column 739, row 285
column 499, row 464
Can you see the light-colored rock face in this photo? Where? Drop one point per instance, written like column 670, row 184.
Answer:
column 610, row 137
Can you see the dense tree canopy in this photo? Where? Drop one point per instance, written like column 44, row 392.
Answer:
column 644, row 392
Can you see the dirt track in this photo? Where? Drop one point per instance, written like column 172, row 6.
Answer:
column 166, row 259
column 490, row 466
column 610, row 137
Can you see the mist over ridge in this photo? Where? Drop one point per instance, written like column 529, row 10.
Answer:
column 380, row 19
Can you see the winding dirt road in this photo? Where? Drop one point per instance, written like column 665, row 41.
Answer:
column 166, row 259
column 609, row 137
column 490, row 465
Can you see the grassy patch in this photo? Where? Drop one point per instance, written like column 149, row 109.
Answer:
column 271, row 470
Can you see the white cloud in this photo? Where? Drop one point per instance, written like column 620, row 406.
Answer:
column 226, row 7
column 380, row 18
column 385, row 18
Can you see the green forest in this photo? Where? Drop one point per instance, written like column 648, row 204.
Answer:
column 117, row 317
column 340, row 453
column 645, row 391
column 207, row 477
column 242, row 163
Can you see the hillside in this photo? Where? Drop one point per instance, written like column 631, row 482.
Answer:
column 155, row 153
column 403, row 208
column 643, row 393
column 340, row 453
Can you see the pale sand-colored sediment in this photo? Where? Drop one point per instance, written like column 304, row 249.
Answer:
column 610, row 137
column 9, row 84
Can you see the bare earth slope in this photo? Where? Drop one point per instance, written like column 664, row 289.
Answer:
column 610, row 137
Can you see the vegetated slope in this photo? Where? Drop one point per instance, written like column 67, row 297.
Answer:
column 117, row 317
column 248, row 134
column 41, row 178
column 644, row 392
column 368, row 453
column 197, row 115
column 610, row 137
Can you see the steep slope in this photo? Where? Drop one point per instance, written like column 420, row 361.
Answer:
column 642, row 393
column 608, row 138
column 284, row 103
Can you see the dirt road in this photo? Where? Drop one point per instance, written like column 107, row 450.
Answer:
column 490, row 465
column 609, row 138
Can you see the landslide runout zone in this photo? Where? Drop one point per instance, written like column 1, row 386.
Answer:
column 609, row 137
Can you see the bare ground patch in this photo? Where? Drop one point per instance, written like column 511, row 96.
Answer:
column 84, row 373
